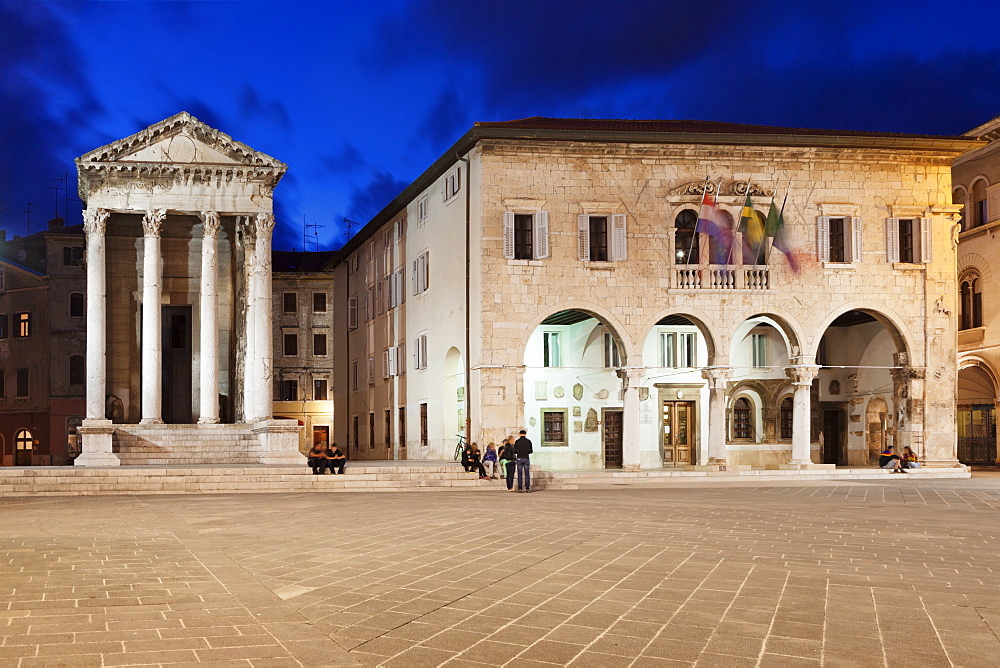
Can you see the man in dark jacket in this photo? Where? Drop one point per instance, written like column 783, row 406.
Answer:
column 522, row 450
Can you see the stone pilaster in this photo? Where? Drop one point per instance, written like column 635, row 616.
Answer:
column 209, row 338
column 631, row 379
column 259, row 363
column 96, row 431
column 716, row 377
column 152, row 360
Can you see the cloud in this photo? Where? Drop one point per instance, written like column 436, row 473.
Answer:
column 446, row 120
column 45, row 97
column 369, row 199
column 346, row 160
column 255, row 106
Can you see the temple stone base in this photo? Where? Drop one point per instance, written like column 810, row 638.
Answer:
column 807, row 467
column 98, row 444
column 719, row 467
column 200, row 444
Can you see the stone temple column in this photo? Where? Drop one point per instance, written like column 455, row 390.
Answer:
column 209, row 338
column 631, row 379
column 259, row 366
column 96, row 431
column 716, row 377
column 802, row 376
column 152, row 360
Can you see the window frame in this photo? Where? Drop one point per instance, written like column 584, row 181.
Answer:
column 786, row 418
column 615, row 236
column 82, row 301
column 288, row 387
column 285, row 302
column 544, row 414
column 79, row 374
column 551, row 350
column 325, row 300
column 22, row 322
column 741, row 420
column 22, row 374
column 759, row 343
column 326, row 389
column 286, row 338
column 320, row 351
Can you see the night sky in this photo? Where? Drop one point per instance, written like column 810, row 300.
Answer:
column 360, row 97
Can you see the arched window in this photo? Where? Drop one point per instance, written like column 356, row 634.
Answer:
column 970, row 303
column 754, row 249
column 685, row 237
column 786, row 418
column 979, row 214
column 958, row 197
column 76, row 305
column 23, row 444
column 721, row 251
column 742, row 419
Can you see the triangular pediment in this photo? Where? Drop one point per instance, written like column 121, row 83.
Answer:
column 180, row 140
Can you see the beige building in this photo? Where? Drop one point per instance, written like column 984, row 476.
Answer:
column 303, row 341
column 976, row 178
column 550, row 274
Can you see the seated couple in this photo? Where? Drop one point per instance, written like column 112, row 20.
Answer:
column 898, row 463
column 322, row 458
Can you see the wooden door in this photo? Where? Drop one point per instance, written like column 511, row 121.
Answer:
column 832, row 436
column 678, row 432
column 176, row 356
column 613, row 439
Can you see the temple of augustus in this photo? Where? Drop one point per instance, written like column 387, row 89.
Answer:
column 178, row 224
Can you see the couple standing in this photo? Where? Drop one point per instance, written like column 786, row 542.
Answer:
column 517, row 455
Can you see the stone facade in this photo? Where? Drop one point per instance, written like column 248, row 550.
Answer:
column 850, row 341
column 976, row 178
column 303, row 343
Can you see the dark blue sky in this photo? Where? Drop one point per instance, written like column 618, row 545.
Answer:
column 359, row 97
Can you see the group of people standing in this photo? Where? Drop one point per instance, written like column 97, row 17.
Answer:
column 322, row 458
column 898, row 463
column 513, row 455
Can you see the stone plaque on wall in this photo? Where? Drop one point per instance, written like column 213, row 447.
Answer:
column 577, row 425
column 643, row 393
column 541, row 390
column 578, row 391
column 591, row 422
column 558, row 392
column 576, row 411
column 601, row 394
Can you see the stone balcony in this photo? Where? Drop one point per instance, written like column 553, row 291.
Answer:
column 722, row 277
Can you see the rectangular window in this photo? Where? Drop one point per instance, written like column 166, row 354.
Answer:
column 906, row 242
column 422, row 210
column 388, row 428
column 786, row 419
column 76, row 305
column 371, row 431
column 354, row 375
column 550, row 349
column 3, row 278
column 290, row 302
column 402, row 427
column 23, row 325
column 598, row 238
column 759, row 343
column 73, row 256
column 523, row 249
column 356, row 440
column 837, row 240
column 678, row 350
column 77, row 370
column 423, row 425
column 22, row 383
column 288, row 390
column 291, row 345
column 452, row 184
column 686, row 350
column 553, row 427
column 370, row 303
column 319, row 345
column 612, row 359
column 371, row 370
column 668, row 350
column 401, row 358
column 319, row 302
column 3, row 384
column 399, row 230
column 319, row 389
column 380, row 296
column 421, row 273
column 3, row 325
column 420, row 352
column 352, row 313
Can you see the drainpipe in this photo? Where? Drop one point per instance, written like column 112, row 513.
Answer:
column 468, row 265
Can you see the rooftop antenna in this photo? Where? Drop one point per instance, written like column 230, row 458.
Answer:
column 315, row 227
column 350, row 223
column 63, row 182
column 27, row 212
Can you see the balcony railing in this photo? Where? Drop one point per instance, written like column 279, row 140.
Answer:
column 722, row 277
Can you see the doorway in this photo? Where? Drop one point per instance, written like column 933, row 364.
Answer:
column 678, row 432
column 24, row 444
column 321, row 435
column 833, row 436
column 613, row 438
column 176, row 346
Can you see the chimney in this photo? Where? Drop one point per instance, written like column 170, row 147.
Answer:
column 56, row 223
column 3, row 235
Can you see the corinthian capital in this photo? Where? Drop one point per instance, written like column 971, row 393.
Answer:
column 264, row 222
column 153, row 221
column 209, row 223
column 95, row 221
column 802, row 374
column 716, row 376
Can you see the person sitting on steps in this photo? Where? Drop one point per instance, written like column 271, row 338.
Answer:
column 317, row 458
column 335, row 460
column 890, row 460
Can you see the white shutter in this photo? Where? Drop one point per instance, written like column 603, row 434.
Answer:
column 583, row 236
column 425, row 272
column 423, row 350
column 352, row 313
column 401, row 286
column 401, row 358
column 540, row 231
column 415, row 282
column 385, row 363
column 857, row 237
column 508, row 235
column 892, row 239
column 444, row 189
column 619, row 246
column 416, row 353
column 926, row 240
column 823, row 238
column 393, row 360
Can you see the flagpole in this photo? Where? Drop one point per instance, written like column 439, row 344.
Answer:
column 696, row 221
column 732, row 244
column 781, row 213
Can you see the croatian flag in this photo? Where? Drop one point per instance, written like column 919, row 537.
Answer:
column 708, row 220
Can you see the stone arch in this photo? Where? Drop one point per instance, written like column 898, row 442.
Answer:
column 976, row 362
column 890, row 320
column 877, row 421
column 974, row 262
column 746, row 391
column 789, row 330
column 699, row 318
column 615, row 326
column 453, row 400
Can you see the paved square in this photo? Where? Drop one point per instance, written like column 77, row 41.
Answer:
column 891, row 573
